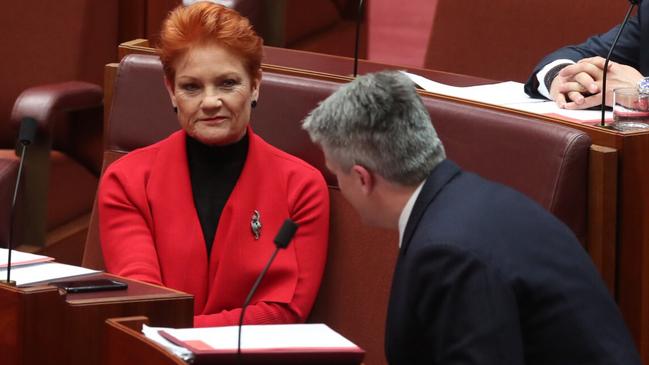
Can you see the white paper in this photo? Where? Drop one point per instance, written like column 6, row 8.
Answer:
column 266, row 337
column 507, row 94
column 44, row 272
column 19, row 258
column 504, row 93
column 152, row 333
column 550, row 107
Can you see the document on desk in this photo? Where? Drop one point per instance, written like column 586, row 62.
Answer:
column 509, row 94
column 153, row 334
column 19, row 258
column 44, row 272
column 273, row 341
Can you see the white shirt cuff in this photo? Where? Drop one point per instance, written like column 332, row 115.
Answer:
column 543, row 90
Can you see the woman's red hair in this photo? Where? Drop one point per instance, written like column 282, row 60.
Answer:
column 207, row 23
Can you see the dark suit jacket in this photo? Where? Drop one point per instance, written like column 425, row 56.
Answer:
column 632, row 49
column 486, row 276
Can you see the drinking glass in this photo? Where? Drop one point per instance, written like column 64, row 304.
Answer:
column 630, row 110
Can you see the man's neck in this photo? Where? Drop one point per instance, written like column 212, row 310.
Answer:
column 394, row 198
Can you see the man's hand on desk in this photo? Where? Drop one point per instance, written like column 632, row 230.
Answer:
column 579, row 86
column 574, row 84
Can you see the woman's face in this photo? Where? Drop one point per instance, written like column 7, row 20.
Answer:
column 213, row 92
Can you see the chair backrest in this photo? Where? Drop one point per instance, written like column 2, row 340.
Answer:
column 353, row 297
column 546, row 163
column 354, row 293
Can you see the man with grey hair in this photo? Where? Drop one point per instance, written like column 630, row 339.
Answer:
column 484, row 275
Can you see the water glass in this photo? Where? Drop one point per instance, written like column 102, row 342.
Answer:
column 630, row 110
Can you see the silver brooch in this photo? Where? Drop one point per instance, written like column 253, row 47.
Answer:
column 255, row 224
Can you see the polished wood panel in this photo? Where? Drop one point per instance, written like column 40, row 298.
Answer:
column 163, row 306
column 29, row 321
column 40, row 325
column 322, row 65
column 132, row 19
column 110, row 72
column 125, row 344
column 142, row 18
column 602, row 212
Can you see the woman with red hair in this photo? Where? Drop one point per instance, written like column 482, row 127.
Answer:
column 197, row 212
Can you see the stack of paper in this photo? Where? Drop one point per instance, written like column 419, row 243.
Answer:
column 153, row 333
column 508, row 94
column 19, row 258
column 273, row 342
column 27, row 268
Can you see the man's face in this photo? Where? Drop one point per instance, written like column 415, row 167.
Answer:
column 353, row 186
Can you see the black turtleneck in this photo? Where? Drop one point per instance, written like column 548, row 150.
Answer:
column 214, row 171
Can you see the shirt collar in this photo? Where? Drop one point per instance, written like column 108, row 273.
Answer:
column 407, row 209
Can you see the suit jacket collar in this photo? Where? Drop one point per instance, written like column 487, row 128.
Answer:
column 643, row 47
column 438, row 178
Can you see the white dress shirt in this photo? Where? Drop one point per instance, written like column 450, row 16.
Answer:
column 407, row 209
column 543, row 90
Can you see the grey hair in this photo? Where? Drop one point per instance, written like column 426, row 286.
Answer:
column 378, row 121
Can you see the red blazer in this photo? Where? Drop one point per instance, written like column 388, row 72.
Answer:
column 150, row 231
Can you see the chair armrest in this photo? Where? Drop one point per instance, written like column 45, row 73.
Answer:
column 69, row 116
column 47, row 103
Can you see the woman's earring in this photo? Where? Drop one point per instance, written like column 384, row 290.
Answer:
column 175, row 109
column 253, row 104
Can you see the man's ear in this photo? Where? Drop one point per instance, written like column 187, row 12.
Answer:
column 364, row 178
column 170, row 89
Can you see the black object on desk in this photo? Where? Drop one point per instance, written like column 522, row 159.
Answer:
column 90, row 285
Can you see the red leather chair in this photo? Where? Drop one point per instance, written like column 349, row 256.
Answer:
column 61, row 168
column 48, row 44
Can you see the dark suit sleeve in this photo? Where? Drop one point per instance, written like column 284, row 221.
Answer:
column 468, row 312
column 626, row 52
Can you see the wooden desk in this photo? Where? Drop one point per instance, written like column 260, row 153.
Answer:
column 38, row 325
column 125, row 344
column 323, row 63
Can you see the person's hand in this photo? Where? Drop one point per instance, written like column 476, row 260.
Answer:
column 574, row 84
column 618, row 76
